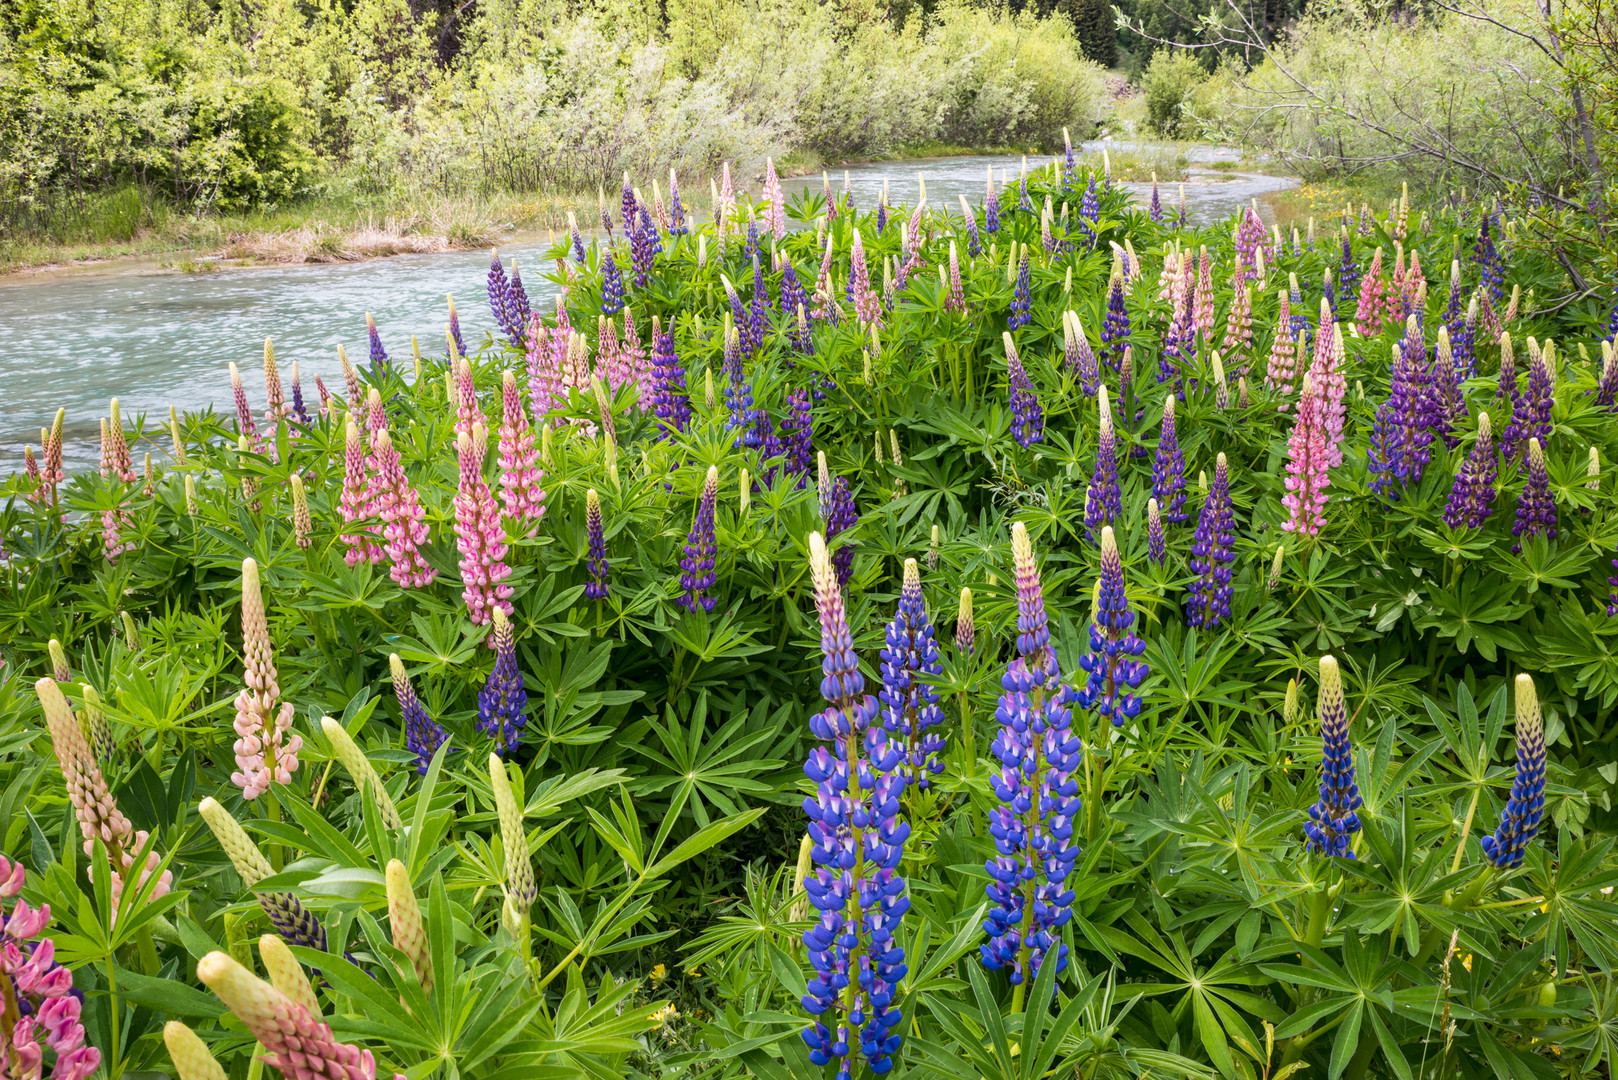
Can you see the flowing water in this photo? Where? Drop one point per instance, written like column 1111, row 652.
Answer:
column 154, row 337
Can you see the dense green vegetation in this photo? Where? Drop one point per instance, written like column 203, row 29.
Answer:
column 1011, row 412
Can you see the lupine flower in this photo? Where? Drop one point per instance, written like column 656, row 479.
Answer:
column 775, row 216
column 966, row 630
column 1027, row 417
column 1471, row 498
column 1325, row 372
column 991, row 206
column 1168, row 468
column 1308, row 465
column 354, row 503
column 298, row 1042
column 1033, row 825
column 404, row 527
column 1519, row 822
column 955, row 299
column 628, row 205
column 750, row 250
column 1208, row 602
column 1348, row 277
column 502, row 701
column 275, row 409
column 1401, row 439
column 1536, row 510
column 1020, row 302
column 1531, row 411
column 677, row 225
column 1282, row 369
column 359, row 768
column 1202, row 298
column 1332, row 820
column 1103, row 501
column 1606, row 391
column 302, row 523
column 838, row 514
column 265, row 751
column 758, row 312
column 909, row 663
column 671, row 402
column 40, row 1005
column 867, row 307
column 1239, row 319
column 479, row 536
column 1154, row 210
column 1156, row 542
column 245, row 424
column 1115, row 328
column 643, row 244
column 798, row 437
column 1491, row 268
column 857, row 844
column 1077, row 355
column 697, row 577
column 423, row 734
column 517, row 298
column 501, row 302
column 596, row 563
column 612, row 286
column 1115, row 671
column 521, row 495
column 974, row 242
column 792, row 295
column 1024, row 203
column 379, row 355
column 520, row 887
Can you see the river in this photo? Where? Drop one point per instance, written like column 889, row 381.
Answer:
column 154, row 337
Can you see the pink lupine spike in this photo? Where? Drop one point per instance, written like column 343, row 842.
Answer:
column 867, row 306
column 404, row 523
column 544, row 374
column 520, row 477
column 479, row 537
column 640, row 367
column 277, row 408
column 1282, row 368
column 351, row 380
column 244, row 413
column 298, row 1042
column 775, row 216
column 1308, row 462
column 325, row 397
column 1325, row 371
column 610, row 365
column 1202, row 306
column 467, row 411
column 266, row 749
column 354, row 503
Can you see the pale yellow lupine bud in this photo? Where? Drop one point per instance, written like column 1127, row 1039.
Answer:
column 409, row 931
column 520, row 887
column 191, row 1056
column 359, row 768
column 250, row 863
column 286, row 974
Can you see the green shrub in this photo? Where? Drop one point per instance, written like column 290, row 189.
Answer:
column 1172, row 76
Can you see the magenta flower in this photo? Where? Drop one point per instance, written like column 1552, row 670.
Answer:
column 867, row 306
column 1308, row 462
column 404, row 526
column 479, row 536
column 354, row 503
column 36, row 994
column 520, row 477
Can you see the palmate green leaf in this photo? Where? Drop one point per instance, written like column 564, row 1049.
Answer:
column 703, row 839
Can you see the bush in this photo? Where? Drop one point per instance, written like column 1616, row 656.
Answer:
column 1170, row 79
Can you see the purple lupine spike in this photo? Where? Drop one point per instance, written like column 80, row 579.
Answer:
column 1115, row 671
column 517, row 299
column 298, row 409
column 750, row 250
column 1519, row 821
column 612, row 286
column 738, row 317
column 1606, row 391
column 1027, row 417
column 857, row 840
column 1156, row 543
column 1115, row 327
column 642, row 244
column 1069, row 166
column 974, row 242
column 628, row 206
column 502, row 701
column 792, row 295
column 1536, row 509
column 1024, row 203
column 882, row 210
column 1103, row 501
column 1021, row 314
column 1471, row 499
column 42, row 1009
column 738, row 392
column 1078, row 357
column 670, row 401
column 991, row 206
column 577, row 238
column 1444, row 385
column 910, row 665
column 379, row 355
column 1401, row 440
column 423, row 734
column 677, row 225
column 1090, row 204
column 596, row 538
column 1155, row 209
column 455, row 327
column 1168, row 468
column 1208, row 600
column 697, row 577
column 1491, row 268
column 758, row 313
column 500, row 301
column 1033, row 825
column 798, row 441
column 1348, row 279
column 839, row 514
column 1333, row 820
column 955, row 300
column 1531, row 410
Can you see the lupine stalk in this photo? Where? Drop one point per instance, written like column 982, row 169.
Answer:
column 502, row 701
column 1027, row 417
column 354, row 503
column 858, row 842
column 39, row 1008
column 266, row 748
column 1332, row 820
column 479, row 537
column 1112, row 662
column 423, row 735
column 1156, row 541
column 1208, row 602
column 1536, row 510
column 1308, row 465
column 838, row 514
column 522, row 496
column 1033, row 825
column 1471, row 498
column 408, row 928
column 697, row 577
column 1519, row 822
column 394, row 500
column 966, row 629
column 1103, row 499
column 910, row 664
